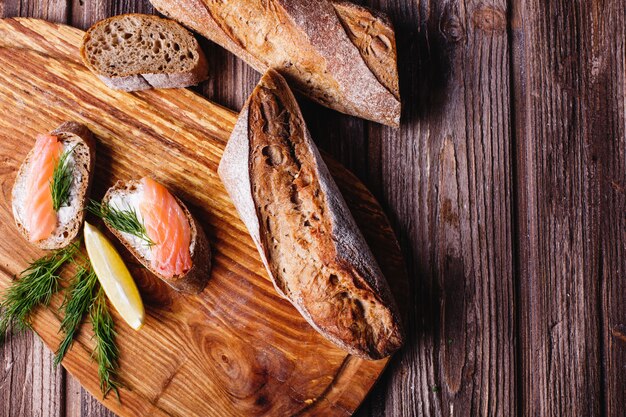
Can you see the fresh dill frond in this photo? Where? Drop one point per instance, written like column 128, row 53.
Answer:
column 125, row 220
column 4, row 327
column 84, row 297
column 62, row 180
column 105, row 353
column 78, row 299
column 34, row 287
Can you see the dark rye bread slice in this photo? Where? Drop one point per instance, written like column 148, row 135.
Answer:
column 79, row 138
column 136, row 52
column 196, row 278
column 341, row 55
column 307, row 238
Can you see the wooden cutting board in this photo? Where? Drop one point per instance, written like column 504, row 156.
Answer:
column 235, row 349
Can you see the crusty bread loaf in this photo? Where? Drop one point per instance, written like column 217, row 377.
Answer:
column 307, row 238
column 194, row 281
column 69, row 218
column 341, row 55
column 135, row 52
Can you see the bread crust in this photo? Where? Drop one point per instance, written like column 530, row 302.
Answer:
column 346, row 252
column 325, row 65
column 372, row 32
column 144, row 81
column 84, row 135
column 196, row 278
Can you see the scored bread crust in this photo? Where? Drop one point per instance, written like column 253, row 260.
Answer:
column 347, row 252
column 147, row 80
column 372, row 32
column 196, row 278
column 64, row 233
column 323, row 61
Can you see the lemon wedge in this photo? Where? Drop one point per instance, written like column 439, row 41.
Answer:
column 114, row 277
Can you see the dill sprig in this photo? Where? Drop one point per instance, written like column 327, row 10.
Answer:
column 106, row 353
column 84, row 297
column 34, row 287
column 78, row 299
column 61, row 180
column 125, row 220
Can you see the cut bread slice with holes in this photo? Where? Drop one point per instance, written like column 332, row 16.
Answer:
column 32, row 196
column 176, row 248
column 136, row 52
column 306, row 236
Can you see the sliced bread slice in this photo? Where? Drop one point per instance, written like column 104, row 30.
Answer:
column 79, row 139
column 136, row 52
column 128, row 195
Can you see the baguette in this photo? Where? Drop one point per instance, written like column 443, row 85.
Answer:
column 125, row 195
column 70, row 217
column 340, row 55
column 136, row 52
column 312, row 249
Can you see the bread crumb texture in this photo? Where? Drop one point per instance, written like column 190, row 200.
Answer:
column 297, row 233
column 140, row 44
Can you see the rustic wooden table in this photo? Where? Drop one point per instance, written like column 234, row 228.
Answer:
column 506, row 185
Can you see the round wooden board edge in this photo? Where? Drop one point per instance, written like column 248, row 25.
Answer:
column 30, row 23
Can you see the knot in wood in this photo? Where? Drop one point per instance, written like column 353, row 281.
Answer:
column 489, row 19
column 451, row 26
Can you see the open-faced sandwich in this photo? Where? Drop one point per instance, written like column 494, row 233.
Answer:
column 307, row 238
column 52, row 186
column 159, row 231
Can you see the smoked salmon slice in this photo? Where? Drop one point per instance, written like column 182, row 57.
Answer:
column 40, row 219
column 166, row 226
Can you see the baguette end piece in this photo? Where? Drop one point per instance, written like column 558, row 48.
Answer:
column 281, row 188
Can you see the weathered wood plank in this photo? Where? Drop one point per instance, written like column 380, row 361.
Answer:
column 30, row 383
column 445, row 179
column 85, row 12
column 608, row 124
column 52, row 10
column 230, row 79
column 82, row 406
column 569, row 114
column 72, row 397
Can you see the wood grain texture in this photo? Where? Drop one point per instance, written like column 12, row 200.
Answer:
column 83, row 15
column 30, row 385
column 237, row 348
column 51, row 10
column 570, row 121
column 445, row 178
column 554, row 89
column 29, row 382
